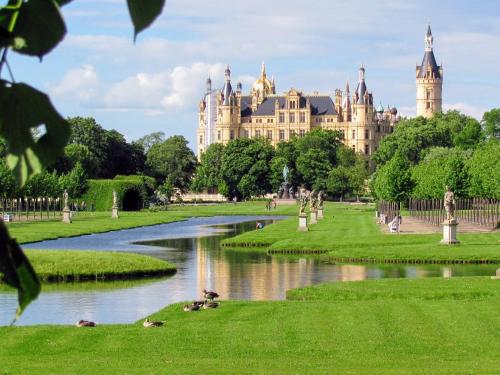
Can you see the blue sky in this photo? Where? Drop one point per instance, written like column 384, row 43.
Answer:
column 156, row 84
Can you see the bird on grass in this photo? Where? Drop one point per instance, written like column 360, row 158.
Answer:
column 85, row 323
column 209, row 295
column 210, row 305
column 193, row 307
column 151, row 323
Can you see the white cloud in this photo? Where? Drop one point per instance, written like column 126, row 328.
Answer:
column 178, row 88
column 470, row 110
column 80, row 84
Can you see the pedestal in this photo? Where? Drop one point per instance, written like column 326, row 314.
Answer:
column 114, row 212
column 303, row 223
column 497, row 275
column 66, row 216
column 320, row 213
column 314, row 217
column 450, row 232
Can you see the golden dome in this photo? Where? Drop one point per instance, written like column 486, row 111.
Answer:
column 263, row 84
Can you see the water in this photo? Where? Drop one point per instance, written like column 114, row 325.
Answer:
column 193, row 245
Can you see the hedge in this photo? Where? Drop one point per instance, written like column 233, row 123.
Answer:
column 100, row 192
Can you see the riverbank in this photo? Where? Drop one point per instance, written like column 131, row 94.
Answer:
column 445, row 326
column 99, row 222
column 348, row 233
column 73, row 265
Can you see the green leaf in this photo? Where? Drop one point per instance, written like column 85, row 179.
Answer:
column 143, row 13
column 22, row 108
column 17, row 271
column 41, row 26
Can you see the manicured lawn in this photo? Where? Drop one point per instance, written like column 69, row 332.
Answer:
column 349, row 233
column 63, row 265
column 96, row 222
column 403, row 330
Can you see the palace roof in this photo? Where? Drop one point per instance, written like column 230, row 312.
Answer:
column 429, row 60
column 320, row 105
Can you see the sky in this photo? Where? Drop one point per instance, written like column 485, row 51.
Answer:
column 317, row 45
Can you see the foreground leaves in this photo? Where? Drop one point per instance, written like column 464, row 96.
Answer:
column 22, row 108
column 39, row 25
column 143, row 13
column 17, row 270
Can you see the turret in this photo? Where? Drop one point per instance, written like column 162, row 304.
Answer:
column 209, row 85
column 429, row 80
column 347, row 103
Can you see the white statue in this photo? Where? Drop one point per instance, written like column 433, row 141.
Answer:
column 449, row 204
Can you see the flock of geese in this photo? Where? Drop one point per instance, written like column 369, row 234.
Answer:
column 207, row 303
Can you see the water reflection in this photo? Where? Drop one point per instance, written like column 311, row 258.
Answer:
column 193, row 245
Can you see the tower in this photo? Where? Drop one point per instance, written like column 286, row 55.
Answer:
column 429, row 78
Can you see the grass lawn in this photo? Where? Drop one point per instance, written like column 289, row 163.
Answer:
column 61, row 265
column 349, row 233
column 437, row 326
column 96, row 222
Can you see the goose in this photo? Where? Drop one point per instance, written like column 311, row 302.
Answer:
column 193, row 307
column 85, row 323
column 151, row 323
column 210, row 305
column 209, row 295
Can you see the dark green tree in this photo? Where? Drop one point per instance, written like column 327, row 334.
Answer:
column 75, row 182
column 392, row 181
column 149, row 140
column 173, row 161
column 209, row 172
column 484, row 170
column 246, row 167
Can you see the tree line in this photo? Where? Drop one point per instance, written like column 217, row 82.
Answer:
column 423, row 155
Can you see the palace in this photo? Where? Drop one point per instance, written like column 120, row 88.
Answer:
column 228, row 114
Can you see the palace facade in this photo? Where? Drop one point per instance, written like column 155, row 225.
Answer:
column 227, row 113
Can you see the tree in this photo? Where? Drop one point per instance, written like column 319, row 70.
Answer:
column 285, row 154
column 34, row 28
column 439, row 168
column 75, row 182
column 77, row 153
column 484, row 170
column 44, row 184
column 209, row 172
column 172, row 160
column 149, row 140
column 8, row 187
column 392, row 181
column 491, row 123
column 245, row 168
column 338, row 183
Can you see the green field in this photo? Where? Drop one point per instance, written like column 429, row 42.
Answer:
column 349, row 233
column 96, row 222
column 67, row 265
column 431, row 326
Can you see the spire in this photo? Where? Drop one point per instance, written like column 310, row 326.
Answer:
column 238, row 87
column 227, row 90
column 263, row 71
column 209, row 84
column 361, row 89
column 429, row 39
column 347, row 88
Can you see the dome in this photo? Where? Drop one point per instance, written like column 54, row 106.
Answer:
column 394, row 111
column 263, row 84
column 380, row 108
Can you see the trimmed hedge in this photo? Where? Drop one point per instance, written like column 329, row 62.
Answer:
column 100, row 192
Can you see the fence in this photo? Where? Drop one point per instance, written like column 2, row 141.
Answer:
column 26, row 209
column 389, row 210
column 481, row 211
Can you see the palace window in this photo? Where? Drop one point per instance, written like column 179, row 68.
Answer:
column 291, row 134
column 292, row 117
column 246, row 134
column 292, row 104
column 282, row 135
column 218, row 135
column 269, row 120
column 270, row 134
column 378, row 128
column 231, row 134
column 428, row 95
column 354, row 148
column 201, row 139
column 257, row 133
column 302, row 117
column 353, row 134
column 367, row 134
column 302, row 132
column 367, row 150
column 282, row 117
column 428, row 105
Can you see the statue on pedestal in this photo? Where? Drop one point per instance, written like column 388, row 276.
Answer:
column 320, row 199
column 284, row 189
column 313, row 199
column 303, row 203
column 65, row 200
column 449, row 204
column 115, row 199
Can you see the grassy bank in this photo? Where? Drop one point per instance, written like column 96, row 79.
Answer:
column 445, row 333
column 349, row 233
column 97, row 222
column 60, row 265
